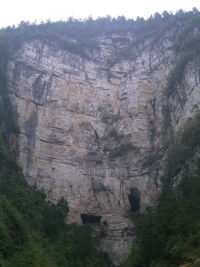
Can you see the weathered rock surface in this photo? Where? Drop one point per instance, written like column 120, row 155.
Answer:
column 93, row 129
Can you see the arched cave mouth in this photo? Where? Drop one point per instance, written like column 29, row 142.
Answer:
column 90, row 218
column 134, row 199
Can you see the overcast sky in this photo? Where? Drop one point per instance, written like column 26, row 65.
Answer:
column 14, row 11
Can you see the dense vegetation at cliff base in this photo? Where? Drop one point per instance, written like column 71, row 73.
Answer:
column 169, row 235
column 33, row 232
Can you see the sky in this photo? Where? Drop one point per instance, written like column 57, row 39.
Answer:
column 14, row 11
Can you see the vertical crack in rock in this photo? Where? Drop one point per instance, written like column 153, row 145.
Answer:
column 40, row 88
column 30, row 128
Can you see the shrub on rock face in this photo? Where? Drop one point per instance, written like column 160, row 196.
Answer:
column 123, row 150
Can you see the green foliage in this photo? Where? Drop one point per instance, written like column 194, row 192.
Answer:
column 176, row 74
column 110, row 118
column 33, row 232
column 123, row 150
column 115, row 135
column 7, row 118
column 187, row 46
column 79, row 36
column 184, row 147
column 169, row 235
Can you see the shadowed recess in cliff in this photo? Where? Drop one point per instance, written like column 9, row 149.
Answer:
column 134, row 199
column 90, row 218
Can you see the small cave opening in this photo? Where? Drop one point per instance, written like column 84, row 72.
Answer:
column 134, row 199
column 105, row 223
column 90, row 218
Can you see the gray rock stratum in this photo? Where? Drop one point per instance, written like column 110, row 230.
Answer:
column 94, row 128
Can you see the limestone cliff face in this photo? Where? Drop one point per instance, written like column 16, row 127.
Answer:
column 94, row 128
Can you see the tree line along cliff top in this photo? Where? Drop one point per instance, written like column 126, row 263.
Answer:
column 73, row 34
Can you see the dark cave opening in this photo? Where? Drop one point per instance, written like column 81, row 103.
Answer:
column 134, row 199
column 105, row 223
column 90, row 218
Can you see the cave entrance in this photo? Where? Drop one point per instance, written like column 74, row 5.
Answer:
column 90, row 218
column 134, row 199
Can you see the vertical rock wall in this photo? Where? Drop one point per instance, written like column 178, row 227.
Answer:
column 93, row 129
